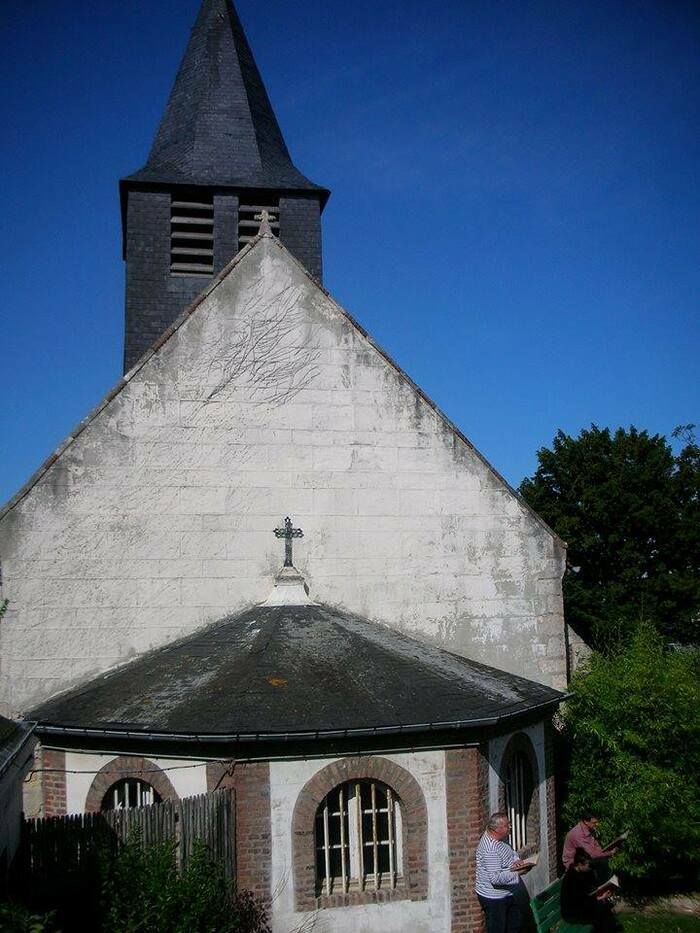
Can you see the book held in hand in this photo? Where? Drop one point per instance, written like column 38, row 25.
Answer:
column 530, row 861
column 616, row 842
column 612, row 885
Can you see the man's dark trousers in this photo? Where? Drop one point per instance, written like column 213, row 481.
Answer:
column 503, row 914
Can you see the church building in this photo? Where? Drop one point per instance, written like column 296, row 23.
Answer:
column 267, row 561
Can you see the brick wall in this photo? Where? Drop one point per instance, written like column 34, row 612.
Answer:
column 53, row 762
column 251, row 784
column 466, row 772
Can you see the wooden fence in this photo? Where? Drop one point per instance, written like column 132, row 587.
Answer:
column 63, row 846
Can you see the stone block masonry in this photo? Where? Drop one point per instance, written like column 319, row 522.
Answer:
column 268, row 401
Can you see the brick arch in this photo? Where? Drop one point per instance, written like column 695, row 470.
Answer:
column 414, row 821
column 128, row 766
column 520, row 742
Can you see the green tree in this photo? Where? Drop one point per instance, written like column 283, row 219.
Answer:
column 629, row 510
column 633, row 725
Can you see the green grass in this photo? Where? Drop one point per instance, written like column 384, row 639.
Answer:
column 660, row 923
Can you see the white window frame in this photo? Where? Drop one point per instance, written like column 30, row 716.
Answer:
column 357, row 847
column 119, row 793
column 519, row 788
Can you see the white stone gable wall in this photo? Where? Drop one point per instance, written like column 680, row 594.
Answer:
column 267, row 401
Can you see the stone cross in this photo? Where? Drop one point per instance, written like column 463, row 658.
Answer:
column 288, row 533
column 264, row 217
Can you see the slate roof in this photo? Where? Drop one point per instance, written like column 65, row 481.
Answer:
column 294, row 672
column 219, row 127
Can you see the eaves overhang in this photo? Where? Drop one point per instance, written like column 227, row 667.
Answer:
column 507, row 717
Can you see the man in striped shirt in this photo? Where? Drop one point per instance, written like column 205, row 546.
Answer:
column 499, row 887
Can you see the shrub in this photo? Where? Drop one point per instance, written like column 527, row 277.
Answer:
column 143, row 892
column 14, row 918
column 633, row 726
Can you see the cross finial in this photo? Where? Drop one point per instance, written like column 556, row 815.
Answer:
column 288, row 533
column 264, row 217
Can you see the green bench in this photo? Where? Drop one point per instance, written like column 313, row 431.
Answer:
column 546, row 910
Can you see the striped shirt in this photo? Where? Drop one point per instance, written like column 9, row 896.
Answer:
column 493, row 876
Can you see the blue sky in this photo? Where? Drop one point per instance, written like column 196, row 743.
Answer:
column 514, row 215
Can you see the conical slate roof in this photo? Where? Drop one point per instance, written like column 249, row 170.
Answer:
column 219, row 127
column 294, row 671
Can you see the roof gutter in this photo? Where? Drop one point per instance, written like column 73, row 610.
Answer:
column 46, row 729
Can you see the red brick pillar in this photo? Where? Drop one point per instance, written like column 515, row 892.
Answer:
column 253, row 831
column 467, row 805
column 53, row 781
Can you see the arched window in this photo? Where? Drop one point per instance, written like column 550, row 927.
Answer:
column 358, row 838
column 128, row 794
column 361, row 850
column 520, row 798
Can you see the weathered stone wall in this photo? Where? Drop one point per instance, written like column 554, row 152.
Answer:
column 268, row 401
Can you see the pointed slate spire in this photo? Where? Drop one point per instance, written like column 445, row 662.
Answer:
column 219, row 127
column 217, row 162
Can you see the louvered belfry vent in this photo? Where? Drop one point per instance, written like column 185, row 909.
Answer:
column 248, row 225
column 192, row 235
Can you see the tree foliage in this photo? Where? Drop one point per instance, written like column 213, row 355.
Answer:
column 634, row 728
column 629, row 510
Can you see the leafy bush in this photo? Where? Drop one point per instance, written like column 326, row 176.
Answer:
column 144, row 893
column 633, row 726
column 15, row 918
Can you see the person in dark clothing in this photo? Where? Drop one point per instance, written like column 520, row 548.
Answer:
column 579, row 903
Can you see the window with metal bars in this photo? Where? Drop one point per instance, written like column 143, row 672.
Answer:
column 248, row 224
column 128, row 794
column 192, row 235
column 519, row 788
column 357, row 828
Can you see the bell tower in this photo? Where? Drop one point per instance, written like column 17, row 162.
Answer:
column 218, row 158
